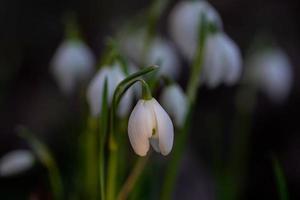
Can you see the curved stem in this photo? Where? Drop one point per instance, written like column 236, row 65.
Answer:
column 113, row 139
column 132, row 178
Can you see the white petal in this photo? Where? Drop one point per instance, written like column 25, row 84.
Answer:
column 184, row 24
column 232, row 62
column 140, row 126
column 126, row 101
column 213, row 61
column 95, row 90
column 271, row 71
column 73, row 62
column 162, row 53
column 174, row 101
column 155, row 144
column 132, row 44
column 16, row 162
column 165, row 129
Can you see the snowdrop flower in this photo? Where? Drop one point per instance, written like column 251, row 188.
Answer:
column 271, row 72
column 114, row 76
column 16, row 162
column 184, row 24
column 72, row 63
column 174, row 101
column 222, row 61
column 150, row 124
column 161, row 52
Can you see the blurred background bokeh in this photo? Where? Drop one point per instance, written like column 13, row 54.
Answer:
column 30, row 32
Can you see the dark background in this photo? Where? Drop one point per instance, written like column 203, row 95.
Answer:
column 31, row 30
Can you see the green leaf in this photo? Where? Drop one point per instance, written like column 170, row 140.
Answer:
column 103, row 132
column 47, row 159
column 127, row 82
column 280, row 179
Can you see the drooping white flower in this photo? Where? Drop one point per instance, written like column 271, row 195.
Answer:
column 174, row 101
column 16, row 162
column 184, row 22
column 270, row 71
column 72, row 63
column 150, row 124
column 161, row 52
column 222, row 61
column 114, row 76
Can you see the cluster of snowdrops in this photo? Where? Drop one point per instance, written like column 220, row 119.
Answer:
column 138, row 64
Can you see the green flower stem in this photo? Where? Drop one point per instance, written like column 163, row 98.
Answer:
column 192, row 88
column 133, row 177
column 91, row 143
column 122, row 87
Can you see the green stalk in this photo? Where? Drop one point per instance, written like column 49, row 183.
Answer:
column 132, row 178
column 91, row 158
column 122, row 87
column 192, row 88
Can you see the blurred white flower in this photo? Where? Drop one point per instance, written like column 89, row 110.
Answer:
column 271, row 72
column 73, row 62
column 16, row 162
column 150, row 124
column 222, row 61
column 114, row 76
column 137, row 89
column 184, row 22
column 161, row 52
column 174, row 101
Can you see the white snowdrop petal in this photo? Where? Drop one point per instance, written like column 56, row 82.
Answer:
column 16, row 162
column 132, row 45
column 140, row 126
column 213, row 61
column 155, row 144
column 174, row 101
column 95, row 90
column 162, row 53
column 233, row 61
column 184, row 24
column 126, row 100
column 72, row 61
column 270, row 71
column 137, row 89
column 114, row 76
column 165, row 129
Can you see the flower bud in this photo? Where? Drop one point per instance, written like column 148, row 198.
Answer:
column 150, row 124
column 184, row 22
column 174, row 101
column 72, row 63
column 114, row 76
column 222, row 61
column 271, row 72
column 16, row 162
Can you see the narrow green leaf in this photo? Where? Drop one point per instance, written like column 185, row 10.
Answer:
column 47, row 159
column 103, row 132
column 131, row 79
column 280, row 179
